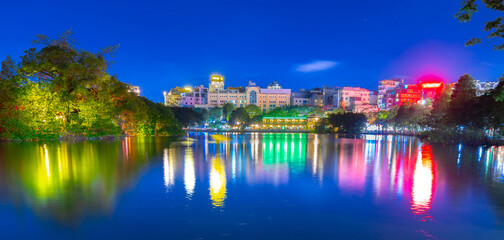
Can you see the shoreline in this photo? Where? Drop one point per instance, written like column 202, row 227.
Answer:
column 422, row 137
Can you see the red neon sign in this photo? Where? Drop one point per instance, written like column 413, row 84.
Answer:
column 431, row 85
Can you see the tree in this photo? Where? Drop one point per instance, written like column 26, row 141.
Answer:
column 58, row 90
column 239, row 116
column 461, row 110
column 495, row 27
column 347, row 122
column 253, row 110
column 68, row 70
column 215, row 114
column 187, row 116
column 438, row 115
column 227, row 109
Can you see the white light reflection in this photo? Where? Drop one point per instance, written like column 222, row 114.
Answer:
column 168, row 168
column 189, row 172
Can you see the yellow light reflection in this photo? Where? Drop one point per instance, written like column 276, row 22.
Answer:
column 169, row 168
column 46, row 156
column 217, row 182
column 189, row 173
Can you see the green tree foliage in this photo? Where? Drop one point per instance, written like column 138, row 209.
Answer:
column 215, row 114
column 412, row 117
column 187, row 116
column 227, row 109
column 158, row 120
column 240, row 117
column 439, row 113
column 495, row 27
column 347, row 122
column 461, row 110
column 253, row 110
column 58, row 90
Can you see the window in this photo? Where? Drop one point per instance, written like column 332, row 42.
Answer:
column 253, row 97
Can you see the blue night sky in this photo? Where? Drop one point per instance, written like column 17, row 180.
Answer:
column 301, row 44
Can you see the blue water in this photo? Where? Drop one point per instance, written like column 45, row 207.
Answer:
column 253, row 186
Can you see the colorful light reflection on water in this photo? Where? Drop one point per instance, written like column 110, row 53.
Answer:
column 253, row 186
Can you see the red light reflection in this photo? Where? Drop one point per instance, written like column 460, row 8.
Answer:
column 424, row 179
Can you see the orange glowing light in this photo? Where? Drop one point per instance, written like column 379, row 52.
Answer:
column 431, row 85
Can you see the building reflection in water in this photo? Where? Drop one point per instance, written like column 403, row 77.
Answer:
column 68, row 181
column 423, row 183
column 217, row 181
column 352, row 167
column 189, row 172
column 169, row 167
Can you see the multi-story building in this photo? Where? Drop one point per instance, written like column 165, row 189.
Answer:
column 373, row 98
column 197, row 97
column 350, row 98
column 328, row 95
column 174, row 97
column 267, row 98
column 483, row 87
column 274, row 85
column 386, row 93
column 411, row 94
column 316, row 97
column 300, row 98
column 216, row 83
column 235, row 96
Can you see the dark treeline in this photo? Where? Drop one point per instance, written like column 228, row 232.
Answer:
column 57, row 90
column 457, row 115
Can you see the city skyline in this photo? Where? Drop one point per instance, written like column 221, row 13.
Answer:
column 301, row 45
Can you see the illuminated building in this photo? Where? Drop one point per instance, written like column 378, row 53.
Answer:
column 269, row 99
column 373, row 98
column 197, row 97
column 483, row 87
column 174, row 97
column 386, row 94
column 288, row 123
column 235, row 96
column 316, row 97
column 431, row 89
column 216, row 83
column 409, row 95
column 300, row 98
column 274, row 85
column 135, row 90
column 265, row 98
column 300, row 101
column 353, row 98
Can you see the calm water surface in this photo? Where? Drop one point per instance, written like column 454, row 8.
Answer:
column 255, row 186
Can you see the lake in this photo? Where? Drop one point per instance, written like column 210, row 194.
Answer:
column 253, row 186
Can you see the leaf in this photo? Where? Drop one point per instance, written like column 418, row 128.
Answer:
column 473, row 42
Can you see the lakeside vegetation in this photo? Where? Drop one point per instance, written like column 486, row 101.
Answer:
column 455, row 116
column 58, row 91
